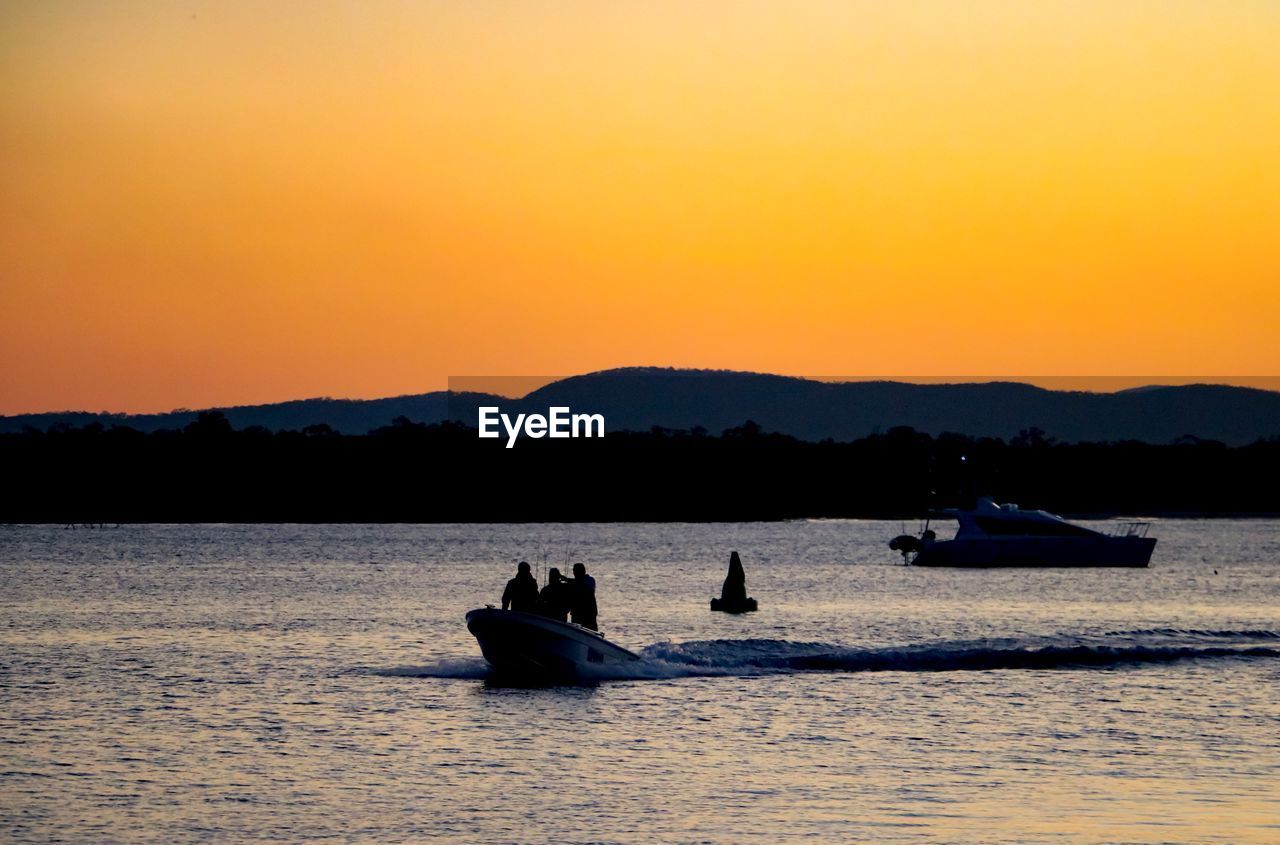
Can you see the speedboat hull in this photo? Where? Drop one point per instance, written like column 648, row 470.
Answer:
column 1100, row 551
column 533, row 647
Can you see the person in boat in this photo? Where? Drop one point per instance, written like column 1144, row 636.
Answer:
column 583, row 607
column 556, row 598
column 522, row 591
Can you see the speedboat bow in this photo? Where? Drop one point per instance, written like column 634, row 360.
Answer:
column 533, row 647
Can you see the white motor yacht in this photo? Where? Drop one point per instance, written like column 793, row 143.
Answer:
column 1006, row 535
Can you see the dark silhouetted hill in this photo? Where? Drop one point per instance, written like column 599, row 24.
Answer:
column 409, row 472
column 639, row 399
column 348, row 416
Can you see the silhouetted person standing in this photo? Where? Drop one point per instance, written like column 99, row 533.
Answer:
column 584, row 598
column 522, row 591
column 556, row 598
column 734, row 591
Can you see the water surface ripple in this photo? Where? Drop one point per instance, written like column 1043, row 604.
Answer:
column 283, row 683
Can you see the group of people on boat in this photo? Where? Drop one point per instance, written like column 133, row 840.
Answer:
column 574, row 599
column 565, row 599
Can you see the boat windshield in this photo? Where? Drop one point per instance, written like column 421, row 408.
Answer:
column 998, row 527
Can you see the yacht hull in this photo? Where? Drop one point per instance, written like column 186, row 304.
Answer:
column 1038, row 552
column 535, row 648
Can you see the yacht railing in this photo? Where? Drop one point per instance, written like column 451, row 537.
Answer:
column 1130, row 529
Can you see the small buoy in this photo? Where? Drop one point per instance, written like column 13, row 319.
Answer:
column 733, row 596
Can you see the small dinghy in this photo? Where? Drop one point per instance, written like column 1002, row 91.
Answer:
column 733, row 595
column 530, row 647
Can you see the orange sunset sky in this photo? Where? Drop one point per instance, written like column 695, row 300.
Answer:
column 234, row 202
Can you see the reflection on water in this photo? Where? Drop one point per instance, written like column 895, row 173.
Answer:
column 292, row 682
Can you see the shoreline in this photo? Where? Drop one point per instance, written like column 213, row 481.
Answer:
column 1071, row 516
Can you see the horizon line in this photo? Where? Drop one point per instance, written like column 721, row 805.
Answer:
column 519, row 387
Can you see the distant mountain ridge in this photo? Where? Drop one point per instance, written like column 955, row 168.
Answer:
column 641, row 398
column 349, row 416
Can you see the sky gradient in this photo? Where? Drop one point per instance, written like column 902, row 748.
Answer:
column 228, row 203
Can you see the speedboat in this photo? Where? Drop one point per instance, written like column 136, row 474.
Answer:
column 537, row 648
column 1006, row 535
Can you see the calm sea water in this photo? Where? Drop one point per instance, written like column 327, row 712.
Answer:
column 241, row 683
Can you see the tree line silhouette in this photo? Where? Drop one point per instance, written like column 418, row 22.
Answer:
column 410, row 472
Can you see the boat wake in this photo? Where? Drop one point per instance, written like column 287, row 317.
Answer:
column 716, row 657
column 712, row 658
column 1199, row 634
column 462, row 668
